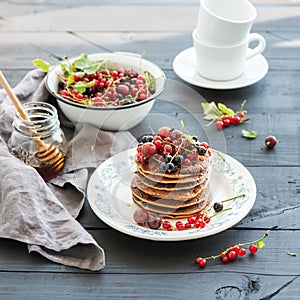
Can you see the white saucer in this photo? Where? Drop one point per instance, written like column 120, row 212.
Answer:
column 184, row 66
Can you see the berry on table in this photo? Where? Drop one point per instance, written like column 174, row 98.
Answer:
column 219, row 124
column 271, row 141
column 253, row 248
column 202, row 263
column 231, row 255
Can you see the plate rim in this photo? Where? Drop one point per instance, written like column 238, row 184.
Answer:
column 219, row 85
column 161, row 235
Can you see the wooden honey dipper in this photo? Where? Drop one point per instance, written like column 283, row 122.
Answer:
column 49, row 154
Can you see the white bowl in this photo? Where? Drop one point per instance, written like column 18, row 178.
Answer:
column 110, row 118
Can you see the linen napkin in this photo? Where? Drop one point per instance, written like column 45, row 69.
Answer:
column 43, row 214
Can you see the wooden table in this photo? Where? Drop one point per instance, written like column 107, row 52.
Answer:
column 143, row 269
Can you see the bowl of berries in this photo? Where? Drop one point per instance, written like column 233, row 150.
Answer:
column 112, row 91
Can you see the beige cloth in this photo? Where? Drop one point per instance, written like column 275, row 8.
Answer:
column 43, row 214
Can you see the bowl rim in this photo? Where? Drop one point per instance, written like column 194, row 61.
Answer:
column 103, row 108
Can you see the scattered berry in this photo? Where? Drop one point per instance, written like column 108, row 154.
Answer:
column 202, row 263
column 271, row 141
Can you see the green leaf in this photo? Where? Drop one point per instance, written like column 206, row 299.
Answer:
column 86, row 65
column 225, row 110
column 260, row 244
column 81, row 86
column 251, row 134
column 66, row 68
column 210, row 111
column 41, row 64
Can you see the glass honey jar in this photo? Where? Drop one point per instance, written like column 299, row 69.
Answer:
column 39, row 141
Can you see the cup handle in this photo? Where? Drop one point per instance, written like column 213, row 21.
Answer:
column 261, row 46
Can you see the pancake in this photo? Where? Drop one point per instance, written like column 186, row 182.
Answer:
column 175, row 185
column 167, row 180
column 182, row 212
column 169, row 203
column 184, row 195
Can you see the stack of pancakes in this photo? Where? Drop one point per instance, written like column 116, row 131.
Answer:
column 172, row 195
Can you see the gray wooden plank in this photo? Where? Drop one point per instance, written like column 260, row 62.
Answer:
column 203, row 285
column 19, row 49
column 166, row 15
column 130, row 255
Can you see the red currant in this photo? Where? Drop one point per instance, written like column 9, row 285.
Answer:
column 219, row 124
column 231, row 255
column 202, row 224
column 202, row 263
column 187, row 225
column 198, row 259
column 226, row 122
column 166, row 224
column 225, row 259
column 241, row 252
column 206, row 219
column 236, row 120
column 191, row 220
column 253, row 249
column 168, row 149
column 178, row 224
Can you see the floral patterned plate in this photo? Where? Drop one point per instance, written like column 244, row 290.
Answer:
column 109, row 196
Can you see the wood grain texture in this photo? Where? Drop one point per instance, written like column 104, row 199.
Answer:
column 141, row 269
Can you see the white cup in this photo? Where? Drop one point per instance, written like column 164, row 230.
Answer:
column 221, row 63
column 224, row 22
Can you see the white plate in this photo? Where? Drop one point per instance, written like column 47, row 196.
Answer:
column 184, row 66
column 109, row 196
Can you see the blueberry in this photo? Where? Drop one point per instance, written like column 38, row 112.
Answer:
column 163, row 167
column 178, row 160
column 147, row 138
column 168, row 158
column 127, row 101
column 201, row 150
column 171, row 167
column 218, row 206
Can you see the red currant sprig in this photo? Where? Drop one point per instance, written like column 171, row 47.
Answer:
column 222, row 115
column 234, row 251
